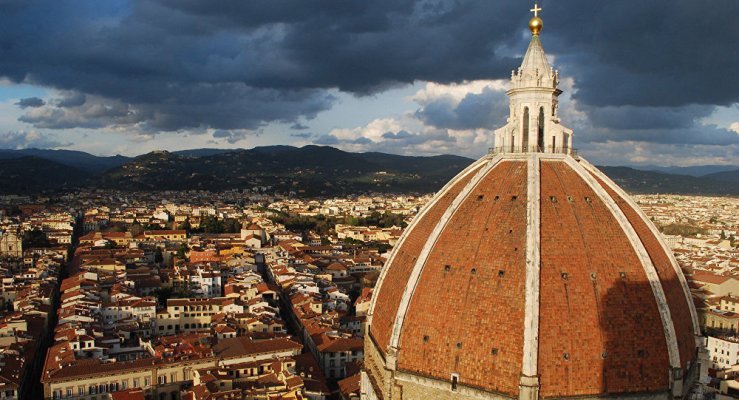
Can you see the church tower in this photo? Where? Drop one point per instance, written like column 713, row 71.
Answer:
column 531, row 275
column 533, row 123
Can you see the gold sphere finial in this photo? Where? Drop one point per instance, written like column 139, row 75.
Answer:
column 536, row 24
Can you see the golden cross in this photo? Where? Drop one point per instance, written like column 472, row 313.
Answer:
column 536, row 9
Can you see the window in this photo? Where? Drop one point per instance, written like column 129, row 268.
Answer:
column 455, row 382
column 136, row 383
column 541, row 129
column 526, row 118
column 80, row 390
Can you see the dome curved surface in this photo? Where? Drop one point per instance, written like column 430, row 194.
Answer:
column 533, row 266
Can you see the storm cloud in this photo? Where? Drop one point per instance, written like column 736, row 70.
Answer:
column 649, row 71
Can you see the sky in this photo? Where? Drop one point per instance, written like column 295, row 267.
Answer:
column 645, row 83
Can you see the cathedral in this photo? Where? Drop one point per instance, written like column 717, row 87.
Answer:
column 531, row 275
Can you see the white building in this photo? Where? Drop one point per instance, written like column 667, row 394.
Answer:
column 722, row 352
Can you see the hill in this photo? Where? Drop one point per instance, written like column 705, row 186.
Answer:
column 697, row 171
column 71, row 158
column 306, row 171
column 645, row 182
column 725, row 176
column 32, row 174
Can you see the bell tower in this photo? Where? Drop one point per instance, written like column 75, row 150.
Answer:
column 533, row 124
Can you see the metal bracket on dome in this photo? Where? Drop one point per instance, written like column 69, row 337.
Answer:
column 529, row 388
column 676, row 382
column 391, row 358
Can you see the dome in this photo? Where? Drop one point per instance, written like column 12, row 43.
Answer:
column 531, row 275
column 535, row 270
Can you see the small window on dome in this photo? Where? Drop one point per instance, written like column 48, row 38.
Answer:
column 455, row 381
column 514, row 198
column 623, row 275
column 447, row 268
column 570, row 199
column 459, row 345
column 553, row 199
column 474, row 271
column 588, row 200
column 425, row 338
column 501, row 273
column 566, row 356
column 496, row 198
column 564, row 275
column 494, row 351
column 480, row 197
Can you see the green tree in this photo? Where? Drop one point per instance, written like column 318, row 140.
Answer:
column 211, row 224
column 158, row 256
column 231, row 225
column 182, row 252
column 136, row 229
column 35, row 238
column 185, row 225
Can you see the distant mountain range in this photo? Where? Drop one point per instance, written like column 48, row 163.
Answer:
column 306, row 171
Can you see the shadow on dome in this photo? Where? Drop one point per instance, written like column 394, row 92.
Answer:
column 635, row 358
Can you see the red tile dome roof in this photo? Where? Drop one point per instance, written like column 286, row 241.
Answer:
column 534, row 265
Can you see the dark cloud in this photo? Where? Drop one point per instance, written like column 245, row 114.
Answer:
column 169, row 65
column 71, row 99
column 31, row 102
column 666, row 125
column 695, row 134
column 634, row 118
column 231, row 136
column 304, row 135
column 649, row 53
column 327, row 140
column 476, row 110
column 362, row 141
column 28, row 139
column 298, row 126
column 96, row 113
column 400, row 142
column 397, row 135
